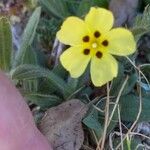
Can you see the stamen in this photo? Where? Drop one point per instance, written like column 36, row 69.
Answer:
column 99, row 54
column 97, row 34
column 86, row 51
column 105, row 43
column 94, row 45
column 86, row 38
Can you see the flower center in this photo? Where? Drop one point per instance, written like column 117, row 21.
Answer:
column 94, row 45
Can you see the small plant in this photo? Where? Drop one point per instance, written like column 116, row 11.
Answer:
column 116, row 92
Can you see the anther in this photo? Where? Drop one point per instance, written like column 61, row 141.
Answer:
column 86, row 51
column 86, row 38
column 99, row 54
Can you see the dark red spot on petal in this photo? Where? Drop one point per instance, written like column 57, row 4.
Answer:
column 105, row 43
column 99, row 54
column 86, row 51
column 86, row 38
column 97, row 34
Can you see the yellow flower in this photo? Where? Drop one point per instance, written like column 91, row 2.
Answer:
column 93, row 41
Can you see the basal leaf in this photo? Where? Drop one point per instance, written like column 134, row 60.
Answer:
column 30, row 57
column 5, row 44
column 55, row 7
column 42, row 100
column 28, row 36
column 28, row 72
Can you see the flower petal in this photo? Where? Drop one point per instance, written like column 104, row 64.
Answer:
column 103, row 69
column 75, row 61
column 100, row 19
column 121, row 42
column 72, row 31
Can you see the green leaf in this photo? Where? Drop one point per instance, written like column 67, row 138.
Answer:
column 146, row 69
column 91, row 121
column 5, row 44
column 73, row 83
column 130, row 84
column 130, row 108
column 60, row 71
column 102, row 3
column 56, row 7
column 117, row 82
column 85, row 6
column 28, row 72
column 147, row 2
column 46, row 87
column 131, row 145
column 142, row 24
column 28, row 36
column 30, row 85
column 113, row 121
column 30, row 57
column 95, row 119
column 42, row 100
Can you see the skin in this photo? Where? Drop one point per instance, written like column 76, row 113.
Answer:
column 17, row 128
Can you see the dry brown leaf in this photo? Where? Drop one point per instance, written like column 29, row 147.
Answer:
column 62, row 125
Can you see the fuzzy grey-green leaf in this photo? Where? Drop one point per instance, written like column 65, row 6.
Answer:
column 28, row 36
column 28, row 72
column 142, row 24
column 5, row 44
column 42, row 100
column 56, row 7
